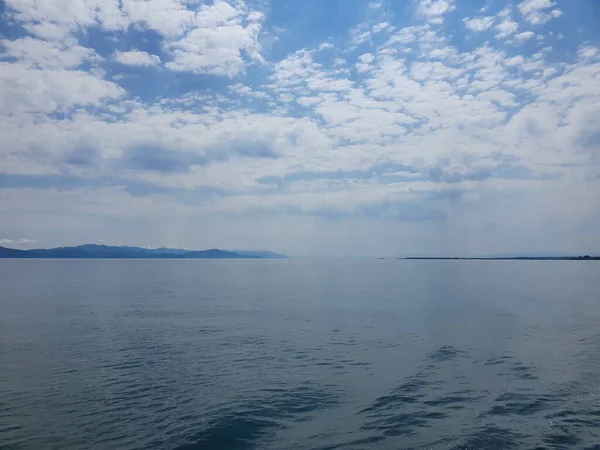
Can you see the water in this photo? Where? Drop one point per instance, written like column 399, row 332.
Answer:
column 293, row 354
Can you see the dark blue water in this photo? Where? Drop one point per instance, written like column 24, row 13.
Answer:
column 293, row 354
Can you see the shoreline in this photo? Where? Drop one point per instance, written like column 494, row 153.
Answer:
column 504, row 258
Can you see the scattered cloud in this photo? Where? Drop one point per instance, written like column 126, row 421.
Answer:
column 588, row 52
column 40, row 54
column 186, row 121
column 27, row 90
column 525, row 35
column 222, row 39
column 137, row 58
column 515, row 61
column 379, row 27
column 478, row 23
column 538, row 12
column 434, row 10
column 506, row 28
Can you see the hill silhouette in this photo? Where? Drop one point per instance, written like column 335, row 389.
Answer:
column 126, row 252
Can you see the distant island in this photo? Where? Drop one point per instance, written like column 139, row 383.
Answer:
column 91, row 251
column 508, row 258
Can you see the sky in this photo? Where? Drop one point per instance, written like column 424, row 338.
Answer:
column 313, row 128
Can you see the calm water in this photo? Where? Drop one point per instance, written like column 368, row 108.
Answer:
column 243, row 354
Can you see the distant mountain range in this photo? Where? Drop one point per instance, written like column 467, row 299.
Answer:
column 106, row 251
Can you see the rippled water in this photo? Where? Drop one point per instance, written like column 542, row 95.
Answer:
column 293, row 354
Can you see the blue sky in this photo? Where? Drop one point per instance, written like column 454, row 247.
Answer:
column 316, row 127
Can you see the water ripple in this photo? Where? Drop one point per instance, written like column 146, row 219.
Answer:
column 490, row 438
column 445, row 353
column 207, row 355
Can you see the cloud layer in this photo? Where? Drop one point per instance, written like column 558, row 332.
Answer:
column 429, row 128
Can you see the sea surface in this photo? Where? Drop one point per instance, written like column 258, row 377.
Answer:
column 299, row 354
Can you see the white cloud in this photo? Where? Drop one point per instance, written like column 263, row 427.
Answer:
column 434, row 10
column 247, row 91
column 379, row 27
column 505, row 13
column 308, row 101
column 530, row 6
column 408, row 34
column 33, row 90
column 525, row 35
column 548, row 73
column 366, row 58
column 361, row 37
column 502, row 97
column 39, row 54
column 506, row 28
column 535, row 11
column 170, row 18
column 219, row 39
column 49, row 31
column 137, row 58
column 57, row 18
column 478, row 23
column 222, row 41
column 515, row 61
column 588, row 52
